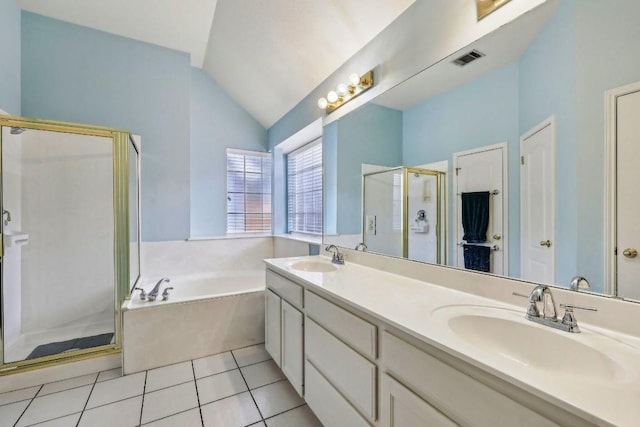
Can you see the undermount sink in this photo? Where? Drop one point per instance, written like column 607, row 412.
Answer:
column 313, row 266
column 507, row 334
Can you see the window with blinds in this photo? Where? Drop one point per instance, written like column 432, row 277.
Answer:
column 248, row 192
column 304, row 189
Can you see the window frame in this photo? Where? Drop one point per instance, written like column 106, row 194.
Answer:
column 290, row 225
column 265, row 172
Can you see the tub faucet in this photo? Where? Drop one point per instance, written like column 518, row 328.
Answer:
column 8, row 214
column 361, row 245
column 337, row 258
column 151, row 296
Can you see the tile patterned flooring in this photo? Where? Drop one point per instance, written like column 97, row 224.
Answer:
column 239, row 388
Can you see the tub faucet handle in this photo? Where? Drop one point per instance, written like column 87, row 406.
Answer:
column 143, row 294
column 165, row 293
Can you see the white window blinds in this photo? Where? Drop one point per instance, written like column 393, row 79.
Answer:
column 304, row 189
column 248, row 191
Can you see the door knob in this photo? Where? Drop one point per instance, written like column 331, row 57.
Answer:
column 497, row 237
column 546, row 243
column 630, row 253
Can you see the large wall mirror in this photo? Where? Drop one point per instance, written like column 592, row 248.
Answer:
column 533, row 133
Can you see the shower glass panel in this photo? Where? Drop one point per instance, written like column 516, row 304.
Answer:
column 134, row 212
column 382, row 215
column 404, row 214
column 59, row 264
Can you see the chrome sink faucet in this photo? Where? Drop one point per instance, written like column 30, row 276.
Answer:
column 541, row 296
column 151, row 296
column 337, row 258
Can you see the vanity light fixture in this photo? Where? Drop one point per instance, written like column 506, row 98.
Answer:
column 346, row 92
column 485, row 7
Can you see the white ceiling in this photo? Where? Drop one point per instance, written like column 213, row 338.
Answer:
column 181, row 25
column 267, row 54
column 501, row 47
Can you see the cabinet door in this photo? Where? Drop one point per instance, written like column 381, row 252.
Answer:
column 292, row 327
column 402, row 408
column 272, row 325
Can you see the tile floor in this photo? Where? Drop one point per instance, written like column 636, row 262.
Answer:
column 243, row 387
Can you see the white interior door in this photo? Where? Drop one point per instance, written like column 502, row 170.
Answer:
column 483, row 169
column 628, row 202
column 537, row 203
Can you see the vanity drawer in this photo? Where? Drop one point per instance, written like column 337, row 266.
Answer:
column 325, row 401
column 458, row 396
column 288, row 290
column 350, row 373
column 359, row 333
column 402, row 408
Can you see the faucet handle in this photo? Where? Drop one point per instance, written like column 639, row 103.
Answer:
column 165, row 293
column 143, row 294
column 569, row 319
column 532, row 311
column 570, row 307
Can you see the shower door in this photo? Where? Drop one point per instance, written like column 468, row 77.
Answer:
column 62, row 219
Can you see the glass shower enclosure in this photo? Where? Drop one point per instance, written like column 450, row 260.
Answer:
column 69, row 235
column 404, row 213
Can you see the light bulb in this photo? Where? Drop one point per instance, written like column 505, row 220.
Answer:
column 322, row 103
column 342, row 89
column 332, row 97
column 354, row 79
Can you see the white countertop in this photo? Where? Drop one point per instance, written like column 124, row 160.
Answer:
column 415, row 307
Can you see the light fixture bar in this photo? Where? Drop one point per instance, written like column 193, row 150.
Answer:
column 485, row 7
column 346, row 92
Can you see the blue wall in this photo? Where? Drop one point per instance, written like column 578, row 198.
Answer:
column 372, row 134
column 185, row 118
column 479, row 113
column 77, row 74
column 217, row 123
column 10, row 58
column 547, row 87
column 606, row 58
column 330, row 178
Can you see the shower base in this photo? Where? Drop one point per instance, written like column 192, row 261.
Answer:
column 27, row 343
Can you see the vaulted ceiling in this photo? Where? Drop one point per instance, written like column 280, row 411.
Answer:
column 267, row 54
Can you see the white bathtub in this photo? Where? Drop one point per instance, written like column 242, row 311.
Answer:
column 205, row 314
column 200, row 287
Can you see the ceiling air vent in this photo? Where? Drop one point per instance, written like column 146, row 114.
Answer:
column 467, row 58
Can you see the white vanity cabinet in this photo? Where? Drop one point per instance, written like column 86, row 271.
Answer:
column 360, row 370
column 402, row 408
column 272, row 322
column 284, row 327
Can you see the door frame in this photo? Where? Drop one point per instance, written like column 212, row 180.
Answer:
column 505, row 201
column 549, row 121
column 610, row 189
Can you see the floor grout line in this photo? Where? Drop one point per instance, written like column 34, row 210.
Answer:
column 144, row 389
column 267, row 384
column 284, row 412
column 29, row 404
column 195, row 381
column 248, row 389
column 169, row 416
column 87, row 402
column 145, row 392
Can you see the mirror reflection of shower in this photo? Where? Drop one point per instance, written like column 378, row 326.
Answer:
column 58, row 243
column 404, row 213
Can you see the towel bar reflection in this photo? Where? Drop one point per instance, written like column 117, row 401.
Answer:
column 493, row 248
column 493, row 193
